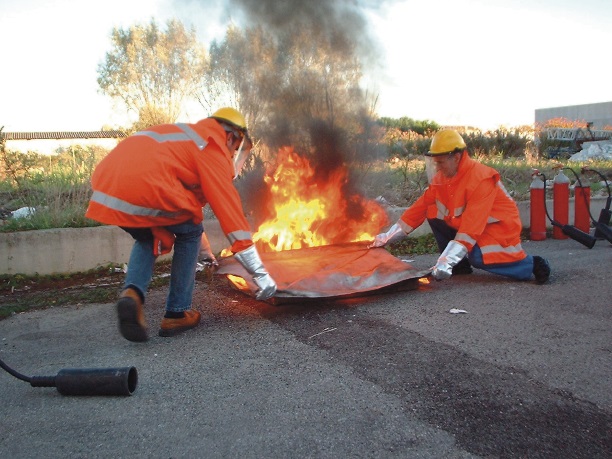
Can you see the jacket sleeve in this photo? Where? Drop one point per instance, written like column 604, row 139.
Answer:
column 216, row 178
column 415, row 215
column 479, row 204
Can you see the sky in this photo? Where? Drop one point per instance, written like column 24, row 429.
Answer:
column 456, row 62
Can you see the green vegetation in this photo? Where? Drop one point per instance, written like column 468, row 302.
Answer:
column 57, row 186
column 19, row 293
column 406, row 124
column 414, row 246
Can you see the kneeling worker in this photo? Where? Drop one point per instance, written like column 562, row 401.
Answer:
column 473, row 218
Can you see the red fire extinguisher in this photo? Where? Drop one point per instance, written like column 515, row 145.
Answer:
column 582, row 205
column 560, row 203
column 537, row 209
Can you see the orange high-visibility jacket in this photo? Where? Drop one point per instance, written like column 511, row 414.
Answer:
column 165, row 175
column 477, row 205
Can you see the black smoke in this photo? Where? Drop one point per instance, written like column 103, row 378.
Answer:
column 343, row 26
column 343, row 22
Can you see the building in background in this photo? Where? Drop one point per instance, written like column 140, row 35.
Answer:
column 50, row 142
column 599, row 114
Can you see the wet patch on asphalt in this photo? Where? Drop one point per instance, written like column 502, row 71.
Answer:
column 491, row 410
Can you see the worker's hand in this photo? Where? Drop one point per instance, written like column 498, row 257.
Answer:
column 163, row 240
column 208, row 259
column 453, row 254
column 395, row 233
column 249, row 259
column 206, row 256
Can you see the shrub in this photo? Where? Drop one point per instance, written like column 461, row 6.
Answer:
column 56, row 186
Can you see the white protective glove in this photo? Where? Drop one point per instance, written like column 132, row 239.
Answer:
column 394, row 234
column 249, row 259
column 453, row 254
column 206, row 255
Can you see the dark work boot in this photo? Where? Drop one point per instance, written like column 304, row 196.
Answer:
column 130, row 311
column 463, row 267
column 541, row 269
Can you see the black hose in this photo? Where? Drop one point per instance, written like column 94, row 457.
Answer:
column 14, row 373
column 602, row 228
column 577, row 235
column 603, row 177
column 554, row 222
column 88, row 381
column 586, row 203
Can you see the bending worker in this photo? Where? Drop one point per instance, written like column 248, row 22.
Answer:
column 473, row 218
column 154, row 185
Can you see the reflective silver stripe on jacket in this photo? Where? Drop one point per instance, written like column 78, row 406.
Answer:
column 465, row 237
column 239, row 236
column 187, row 134
column 193, row 135
column 131, row 209
column 496, row 248
column 442, row 210
column 458, row 212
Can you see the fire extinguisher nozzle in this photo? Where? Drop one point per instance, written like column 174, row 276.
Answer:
column 91, row 381
column 603, row 223
column 604, row 231
column 97, row 381
column 579, row 236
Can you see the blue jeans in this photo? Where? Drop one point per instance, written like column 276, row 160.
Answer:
column 520, row 270
column 184, row 260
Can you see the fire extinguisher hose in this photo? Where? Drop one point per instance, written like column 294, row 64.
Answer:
column 602, row 226
column 577, row 235
column 14, row 373
column 586, row 204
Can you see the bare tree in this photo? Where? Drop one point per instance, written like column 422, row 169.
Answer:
column 151, row 71
column 241, row 73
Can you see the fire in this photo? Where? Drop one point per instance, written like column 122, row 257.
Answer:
column 238, row 281
column 307, row 211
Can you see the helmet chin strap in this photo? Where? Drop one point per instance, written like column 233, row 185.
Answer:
column 239, row 160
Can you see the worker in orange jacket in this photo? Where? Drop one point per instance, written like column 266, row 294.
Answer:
column 472, row 216
column 154, row 185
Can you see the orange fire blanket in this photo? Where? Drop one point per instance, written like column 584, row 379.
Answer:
column 328, row 271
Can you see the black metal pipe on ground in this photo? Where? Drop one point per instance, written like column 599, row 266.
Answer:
column 91, row 381
column 84, row 381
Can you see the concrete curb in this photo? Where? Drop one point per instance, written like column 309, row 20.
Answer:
column 70, row 250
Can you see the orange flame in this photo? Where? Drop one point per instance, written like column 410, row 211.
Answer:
column 306, row 211
column 238, row 281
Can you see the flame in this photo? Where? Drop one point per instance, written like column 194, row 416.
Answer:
column 305, row 210
column 238, row 281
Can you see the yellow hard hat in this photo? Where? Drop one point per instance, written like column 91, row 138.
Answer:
column 445, row 142
column 231, row 116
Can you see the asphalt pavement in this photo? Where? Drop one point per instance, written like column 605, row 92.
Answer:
column 524, row 372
